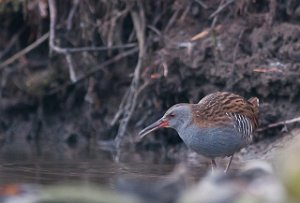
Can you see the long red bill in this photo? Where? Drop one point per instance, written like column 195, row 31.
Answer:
column 158, row 124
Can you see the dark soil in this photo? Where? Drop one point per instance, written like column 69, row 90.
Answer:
column 254, row 52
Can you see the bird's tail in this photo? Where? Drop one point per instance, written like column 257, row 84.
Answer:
column 254, row 101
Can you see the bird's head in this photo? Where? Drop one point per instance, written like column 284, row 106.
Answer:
column 175, row 117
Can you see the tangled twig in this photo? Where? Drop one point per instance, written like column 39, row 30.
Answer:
column 67, row 51
column 96, row 69
column 53, row 14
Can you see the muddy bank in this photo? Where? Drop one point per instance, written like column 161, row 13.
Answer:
column 250, row 48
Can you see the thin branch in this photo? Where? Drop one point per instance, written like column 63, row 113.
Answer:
column 90, row 73
column 213, row 32
column 71, row 14
column 63, row 50
column 221, row 8
column 185, row 12
column 104, row 48
column 138, row 17
column 201, row 3
column 25, row 51
column 214, row 36
column 53, row 14
column 120, row 110
column 171, row 21
column 72, row 73
column 108, row 62
column 273, row 125
column 237, row 46
column 11, row 42
column 155, row 30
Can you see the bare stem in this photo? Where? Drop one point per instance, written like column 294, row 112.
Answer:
column 138, row 17
column 273, row 125
column 25, row 51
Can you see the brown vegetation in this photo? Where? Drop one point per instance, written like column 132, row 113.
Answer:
column 103, row 69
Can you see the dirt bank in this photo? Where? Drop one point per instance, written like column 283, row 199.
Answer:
column 248, row 47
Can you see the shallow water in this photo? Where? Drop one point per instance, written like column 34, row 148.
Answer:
column 45, row 163
column 46, row 172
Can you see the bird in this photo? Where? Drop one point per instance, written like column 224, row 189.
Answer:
column 221, row 124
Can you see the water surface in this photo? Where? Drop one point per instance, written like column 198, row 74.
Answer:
column 45, row 163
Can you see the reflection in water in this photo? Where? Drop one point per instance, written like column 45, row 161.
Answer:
column 45, row 163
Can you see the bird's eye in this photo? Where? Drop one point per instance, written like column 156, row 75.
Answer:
column 171, row 115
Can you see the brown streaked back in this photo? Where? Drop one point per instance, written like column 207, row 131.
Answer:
column 213, row 109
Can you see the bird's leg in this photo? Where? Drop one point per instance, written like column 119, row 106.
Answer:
column 213, row 165
column 228, row 164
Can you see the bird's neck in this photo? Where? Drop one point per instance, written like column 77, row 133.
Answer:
column 186, row 130
column 183, row 124
column 184, row 120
